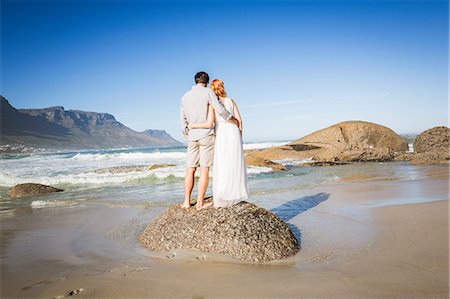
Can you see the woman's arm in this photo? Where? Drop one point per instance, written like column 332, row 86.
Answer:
column 209, row 121
column 237, row 115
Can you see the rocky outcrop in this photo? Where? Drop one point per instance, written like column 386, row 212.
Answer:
column 430, row 158
column 350, row 141
column 29, row 189
column 432, row 147
column 244, row 231
column 434, row 139
column 261, row 162
column 354, row 135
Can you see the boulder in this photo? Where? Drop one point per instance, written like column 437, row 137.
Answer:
column 243, row 231
column 405, row 156
column 350, row 141
column 354, row 135
column 29, row 189
column 434, row 139
column 430, row 158
column 432, row 147
column 366, row 155
column 261, row 162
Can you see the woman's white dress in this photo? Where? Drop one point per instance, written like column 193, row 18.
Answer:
column 230, row 172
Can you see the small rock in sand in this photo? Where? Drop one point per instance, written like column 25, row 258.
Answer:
column 75, row 292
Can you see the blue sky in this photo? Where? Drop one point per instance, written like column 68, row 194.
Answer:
column 293, row 67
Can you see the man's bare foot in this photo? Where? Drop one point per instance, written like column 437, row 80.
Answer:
column 203, row 206
column 186, row 205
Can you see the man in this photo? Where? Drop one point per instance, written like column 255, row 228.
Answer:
column 200, row 151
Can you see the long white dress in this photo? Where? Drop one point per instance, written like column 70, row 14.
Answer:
column 230, row 172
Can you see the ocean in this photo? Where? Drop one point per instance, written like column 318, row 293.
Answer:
column 87, row 236
column 121, row 177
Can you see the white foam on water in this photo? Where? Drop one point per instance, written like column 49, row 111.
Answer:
column 258, row 169
column 262, row 145
column 79, row 168
column 131, row 156
column 293, row 161
column 39, row 204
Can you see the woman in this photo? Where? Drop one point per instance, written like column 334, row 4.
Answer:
column 230, row 172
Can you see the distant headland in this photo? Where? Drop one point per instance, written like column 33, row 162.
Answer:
column 55, row 128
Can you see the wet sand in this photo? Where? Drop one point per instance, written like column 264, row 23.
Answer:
column 376, row 239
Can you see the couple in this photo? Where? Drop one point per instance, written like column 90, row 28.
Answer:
column 212, row 127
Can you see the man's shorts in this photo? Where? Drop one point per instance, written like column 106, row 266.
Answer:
column 201, row 152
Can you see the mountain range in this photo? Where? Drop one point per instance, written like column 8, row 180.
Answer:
column 57, row 128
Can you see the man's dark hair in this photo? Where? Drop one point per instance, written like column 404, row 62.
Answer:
column 202, row 77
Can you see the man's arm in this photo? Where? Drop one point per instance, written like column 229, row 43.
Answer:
column 183, row 120
column 220, row 108
column 209, row 121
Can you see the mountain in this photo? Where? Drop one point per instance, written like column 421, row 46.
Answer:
column 57, row 128
column 162, row 134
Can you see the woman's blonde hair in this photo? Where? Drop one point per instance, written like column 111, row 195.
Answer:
column 218, row 87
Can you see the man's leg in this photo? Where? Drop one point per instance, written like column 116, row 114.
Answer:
column 202, row 186
column 188, row 186
column 206, row 157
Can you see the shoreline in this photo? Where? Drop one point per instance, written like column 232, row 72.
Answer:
column 366, row 239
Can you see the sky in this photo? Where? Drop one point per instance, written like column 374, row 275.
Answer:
column 293, row 67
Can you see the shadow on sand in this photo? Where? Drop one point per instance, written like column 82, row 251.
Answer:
column 292, row 208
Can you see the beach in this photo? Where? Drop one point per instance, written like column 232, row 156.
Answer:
column 375, row 230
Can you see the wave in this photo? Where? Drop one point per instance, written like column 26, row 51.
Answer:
column 79, row 168
column 261, row 145
column 130, row 156
column 292, row 162
column 92, row 178
column 39, row 204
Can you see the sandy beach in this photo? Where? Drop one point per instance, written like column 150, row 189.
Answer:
column 360, row 238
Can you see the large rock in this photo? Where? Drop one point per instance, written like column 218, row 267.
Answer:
column 432, row 147
column 261, row 162
column 244, row 231
column 350, row 141
column 430, row 158
column 29, row 189
column 434, row 139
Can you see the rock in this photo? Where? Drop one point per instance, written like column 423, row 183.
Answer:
column 75, row 292
column 350, row 141
column 405, row 156
column 434, row 139
column 429, row 158
column 261, row 162
column 156, row 166
column 29, row 189
column 323, row 163
column 367, row 155
column 354, row 135
column 432, row 147
column 244, row 231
